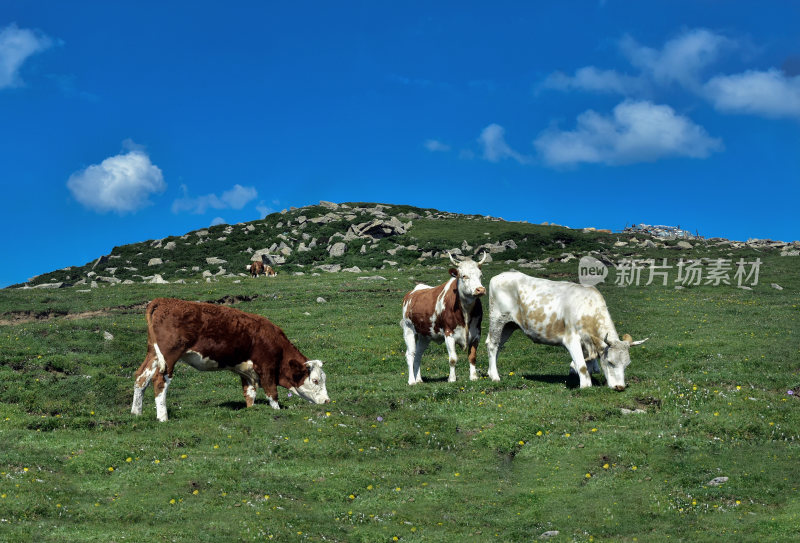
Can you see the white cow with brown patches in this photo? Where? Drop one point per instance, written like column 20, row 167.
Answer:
column 558, row 313
column 449, row 313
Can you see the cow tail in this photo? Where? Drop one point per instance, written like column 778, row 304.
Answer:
column 148, row 314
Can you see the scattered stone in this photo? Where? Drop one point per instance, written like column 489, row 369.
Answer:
column 49, row 285
column 548, row 534
column 776, row 286
column 717, row 481
column 373, row 278
column 379, row 228
column 363, row 249
column 354, row 269
column 338, row 249
column 108, row 336
column 745, row 287
column 169, row 246
column 213, row 260
column 155, row 262
column 660, row 231
column 331, row 268
column 158, row 280
column 321, row 300
column 328, row 205
column 632, row 411
column 684, row 245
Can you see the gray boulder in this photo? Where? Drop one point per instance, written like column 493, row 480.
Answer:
column 331, row 268
column 338, row 249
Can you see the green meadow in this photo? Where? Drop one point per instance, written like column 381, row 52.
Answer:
column 713, row 393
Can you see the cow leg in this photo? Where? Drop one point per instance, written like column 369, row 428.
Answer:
column 270, row 385
column 498, row 335
column 249, row 388
column 422, row 344
column 578, row 364
column 409, row 335
column 142, row 379
column 163, row 377
column 160, row 385
column 450, row 343
column 473, row 355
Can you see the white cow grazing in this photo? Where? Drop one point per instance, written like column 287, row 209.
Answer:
column 558, row 313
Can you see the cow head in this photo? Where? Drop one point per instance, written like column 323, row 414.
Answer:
column 468, row 274
column 313, row 388
column 615, row 358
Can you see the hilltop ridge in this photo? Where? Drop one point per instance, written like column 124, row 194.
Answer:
column 357, row 236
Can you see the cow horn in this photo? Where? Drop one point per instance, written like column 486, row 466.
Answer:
column 639, row 342
column 453, row 260
column 483, row 258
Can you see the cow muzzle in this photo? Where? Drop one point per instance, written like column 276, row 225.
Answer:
column 619, row 388
column 480, row 291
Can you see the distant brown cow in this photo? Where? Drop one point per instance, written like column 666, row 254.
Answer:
column 256, row 268
column 269, row 272
column 211, row 337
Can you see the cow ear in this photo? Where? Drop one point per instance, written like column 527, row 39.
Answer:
column 298, row 371
column 454, row 272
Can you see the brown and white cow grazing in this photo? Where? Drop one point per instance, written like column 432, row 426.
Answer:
column 211, row 337
column 269, row 272
column 558, row 313
column 450, row 312
column 256, row 268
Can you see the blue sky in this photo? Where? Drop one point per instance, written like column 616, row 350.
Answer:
column 127, row 121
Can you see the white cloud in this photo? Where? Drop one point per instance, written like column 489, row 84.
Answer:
column 235, row 198
column 238, row 196
column 590, row 78
column 770, row 93
column 436, row 145
column 16, row 46
column 681, row 60
column 217, row 221
column 121, row 183
column 495, row 148
column 635, row 132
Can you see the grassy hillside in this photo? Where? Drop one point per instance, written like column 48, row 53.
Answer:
column 716, row 388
